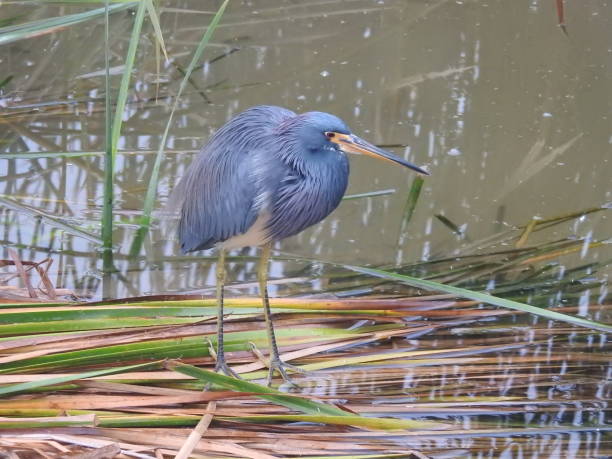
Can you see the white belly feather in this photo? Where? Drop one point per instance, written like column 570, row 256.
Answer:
column 256, row 235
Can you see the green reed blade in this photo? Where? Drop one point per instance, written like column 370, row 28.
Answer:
column 481, row 297
column 411, row 200
column 267, row 393
column 50, row 154
column 153, row 16
column 45, row 423
column 409, row 207
column 315, row 411
column 149, row 201
column 48, row 219
column 57, row 326
column 109, row 161
column 166, row 348
column 450, row 225
column 408, row 455
column 350, row 420
column 370, row 194
column 125, row 78
column 37, row 28
column 6, row 81
column 115, row 132
column 22, row 387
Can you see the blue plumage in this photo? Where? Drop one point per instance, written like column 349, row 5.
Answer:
column 267, row 174
column 266, row 163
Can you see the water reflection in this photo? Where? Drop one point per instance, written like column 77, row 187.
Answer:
column 492, row 122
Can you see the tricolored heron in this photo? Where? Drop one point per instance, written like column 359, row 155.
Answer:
column 265, row 175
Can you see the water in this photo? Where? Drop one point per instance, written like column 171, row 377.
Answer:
column 511, row 116
column 470, row 90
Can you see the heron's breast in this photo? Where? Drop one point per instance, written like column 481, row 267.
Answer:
column 306, row 200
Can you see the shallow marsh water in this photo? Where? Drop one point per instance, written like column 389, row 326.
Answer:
column 511, row 116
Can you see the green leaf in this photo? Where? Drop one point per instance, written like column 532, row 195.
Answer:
column 115, row 131
column 346, row 420
column 127, row 73
column 48, row 219
column 156, row 26
column 87, row 324
column 149, row 201
column 408, row 455
column 411, row 200
column 369, row 194
column 315, row 411
column 36, row 28
column 49, row 154
column 481, row 297
column 62, row 379
column 267, row 393
column 43, row 423
column 6, row 81
column 109, row 157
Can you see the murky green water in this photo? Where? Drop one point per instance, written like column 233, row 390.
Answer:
column 511, row 116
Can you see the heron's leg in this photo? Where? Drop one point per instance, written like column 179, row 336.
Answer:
column 275, row 361
column 221, row 364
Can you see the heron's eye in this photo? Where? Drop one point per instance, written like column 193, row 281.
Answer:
column 329, row 135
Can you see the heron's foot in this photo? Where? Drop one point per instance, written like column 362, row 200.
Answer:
column 276, row 364
column 221, row 365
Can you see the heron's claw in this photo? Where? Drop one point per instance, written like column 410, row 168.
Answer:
column 221, row 365
column 276, row 364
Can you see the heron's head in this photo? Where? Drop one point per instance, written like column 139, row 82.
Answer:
column 322, row 133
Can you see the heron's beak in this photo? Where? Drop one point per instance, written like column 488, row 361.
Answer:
column 352, row 144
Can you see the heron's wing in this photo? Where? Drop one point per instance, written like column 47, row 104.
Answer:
column 217, row 200
column 219, row 197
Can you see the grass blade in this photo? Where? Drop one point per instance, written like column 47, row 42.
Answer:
column 450, row 225
column 125, row 79
column 149, row 201
column 62, row 379
column 6, row 81
column 411, row 201
column 316, row 412
column 481, row 297
column 48, row 219
column 369, row 194
column 289, row 401
column 87, row 420
column 350, row 420
column 50, row 154
column 44, row 26
column 115, row 132
column 156, row 26
column 109, row 162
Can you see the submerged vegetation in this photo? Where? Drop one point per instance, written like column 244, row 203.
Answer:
column 397, row 371
column 497, row 348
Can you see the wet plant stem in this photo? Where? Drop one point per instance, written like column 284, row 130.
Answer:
column 113, row 131
column 149, row 202
column 411, row 202
column 107, row 208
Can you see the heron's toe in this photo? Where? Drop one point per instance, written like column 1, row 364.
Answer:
column 277, row 365
column 223, row 367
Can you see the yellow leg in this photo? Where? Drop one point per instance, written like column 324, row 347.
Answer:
column 275, row 361
column 221, row 365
